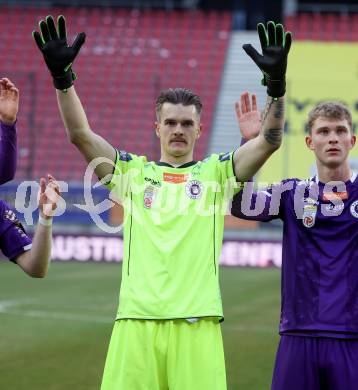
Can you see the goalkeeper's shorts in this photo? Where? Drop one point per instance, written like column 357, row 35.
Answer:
column 165, row 354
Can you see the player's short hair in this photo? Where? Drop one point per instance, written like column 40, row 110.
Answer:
column 330, row 110
column 182, row 96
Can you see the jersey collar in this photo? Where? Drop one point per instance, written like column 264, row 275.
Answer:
column 186, row 165
column 352, row 179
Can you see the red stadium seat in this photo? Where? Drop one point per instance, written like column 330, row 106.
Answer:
column 324, row 27
column 129, row 56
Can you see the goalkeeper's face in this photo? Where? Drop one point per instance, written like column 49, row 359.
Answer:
column 178, row 128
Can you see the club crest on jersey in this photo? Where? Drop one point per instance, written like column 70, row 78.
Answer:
column 194, row 189
column 309, row 215
column 354, row 209
column 149, row 194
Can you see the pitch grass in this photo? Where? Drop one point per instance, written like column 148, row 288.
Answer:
column 54, row 332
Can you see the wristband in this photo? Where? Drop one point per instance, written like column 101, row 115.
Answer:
column 276, row 88
column 44, row 221
column 64, row 82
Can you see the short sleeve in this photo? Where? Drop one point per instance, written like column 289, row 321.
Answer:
column 226, row 173
column 13, row 238
column 127, row 167
column 226, row 166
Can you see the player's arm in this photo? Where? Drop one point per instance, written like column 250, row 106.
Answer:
column 250, row 157
column 247, row 201
column 90, row 144
column 249, row 121
column 59, row 57
column 275, row 44
column 9, row 105
column 35, row 262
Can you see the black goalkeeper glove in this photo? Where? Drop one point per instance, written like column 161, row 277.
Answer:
column 58, row 55
column 275, row 45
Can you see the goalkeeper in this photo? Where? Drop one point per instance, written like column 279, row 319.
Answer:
column 167, row 332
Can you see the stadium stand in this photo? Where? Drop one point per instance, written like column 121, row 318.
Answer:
column 239, row 74
column 324, row 26
column 129, row 56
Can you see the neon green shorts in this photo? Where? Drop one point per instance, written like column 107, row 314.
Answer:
column 165, row 354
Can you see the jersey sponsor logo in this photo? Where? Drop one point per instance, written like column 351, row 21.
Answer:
column 309, row 215
column 175, row 178
column 196, row 170
column 334, row 207
column 311, row 202
column 194, row 189
column 335, row 195
column 149, row 194
column 124, row 156
column 354, row 209
column 153, row 182
column 225, row 156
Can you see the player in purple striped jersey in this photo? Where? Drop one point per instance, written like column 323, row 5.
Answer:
column 318, row 348
column 32, row 256
column 9, row 105
column 16, row 245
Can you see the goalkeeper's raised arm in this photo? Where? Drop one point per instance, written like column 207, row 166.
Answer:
column 275, row 44
column 59, row 57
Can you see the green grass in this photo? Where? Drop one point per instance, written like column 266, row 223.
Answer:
column 54, row 332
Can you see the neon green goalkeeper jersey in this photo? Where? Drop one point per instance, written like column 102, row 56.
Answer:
column 173, row 230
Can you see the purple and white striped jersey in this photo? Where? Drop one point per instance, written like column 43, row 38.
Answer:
column 319, row 253
column 13, row 238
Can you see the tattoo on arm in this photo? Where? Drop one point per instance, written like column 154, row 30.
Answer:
column 267, row 109
column 279, row 109
column 274, row 135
